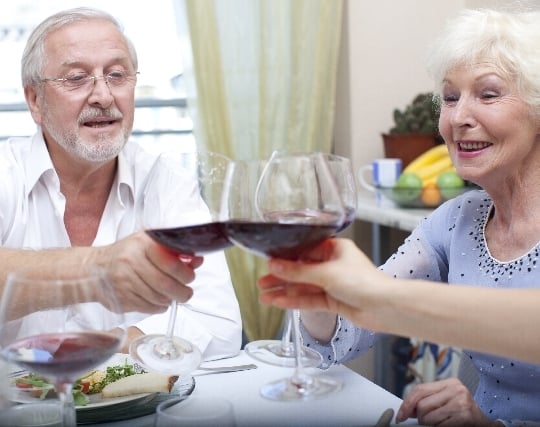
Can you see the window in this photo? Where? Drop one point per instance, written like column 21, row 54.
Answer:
column 161, row 112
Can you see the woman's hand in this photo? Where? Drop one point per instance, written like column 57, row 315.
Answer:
column 335, row 277
column 443, row 403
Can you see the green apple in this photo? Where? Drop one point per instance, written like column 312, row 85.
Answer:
column 449, row 179
column 409, row 180
column 450, row 184
column 407, row 189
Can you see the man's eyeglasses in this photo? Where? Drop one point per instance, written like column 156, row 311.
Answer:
column 86, row 81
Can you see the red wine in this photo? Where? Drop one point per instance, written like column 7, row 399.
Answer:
column 277, row 240
column 193, row 239
column 62, row 355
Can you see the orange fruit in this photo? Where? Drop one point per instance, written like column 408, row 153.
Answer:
column 431, row 196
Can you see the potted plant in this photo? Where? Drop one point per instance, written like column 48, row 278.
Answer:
column 415, row 129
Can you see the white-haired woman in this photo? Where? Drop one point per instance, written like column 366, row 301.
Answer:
column 486, row 67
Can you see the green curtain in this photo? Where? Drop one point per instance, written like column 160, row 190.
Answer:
column 263, row 76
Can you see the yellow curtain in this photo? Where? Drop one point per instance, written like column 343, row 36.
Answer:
column 264, row 76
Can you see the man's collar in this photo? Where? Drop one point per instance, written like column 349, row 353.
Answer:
column 39, row 162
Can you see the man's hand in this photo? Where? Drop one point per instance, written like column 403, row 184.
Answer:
column 145, row 275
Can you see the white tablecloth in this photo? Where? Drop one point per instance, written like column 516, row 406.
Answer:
column 359, row 403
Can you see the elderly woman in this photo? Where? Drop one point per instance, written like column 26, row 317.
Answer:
column 486, row 67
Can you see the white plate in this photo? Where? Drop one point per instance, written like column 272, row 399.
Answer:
column 184, row 386
column 95, row 400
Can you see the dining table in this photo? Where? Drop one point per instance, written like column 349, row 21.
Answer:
column 359, row 402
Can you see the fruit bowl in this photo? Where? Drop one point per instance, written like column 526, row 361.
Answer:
column 426, row 198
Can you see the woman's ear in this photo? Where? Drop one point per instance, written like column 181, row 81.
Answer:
column 33, row 99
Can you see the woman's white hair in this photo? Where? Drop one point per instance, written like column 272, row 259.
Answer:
column 508, row 40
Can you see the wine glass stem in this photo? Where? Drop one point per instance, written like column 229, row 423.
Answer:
column 172, row 319
column 65, row 395
column 286, row 341
column 300, row 379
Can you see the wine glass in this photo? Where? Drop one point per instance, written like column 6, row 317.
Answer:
column 244, row 177
column 280, row 211
column 281, row 352
column 195, row 411
column 60, row 326
column 187, row 186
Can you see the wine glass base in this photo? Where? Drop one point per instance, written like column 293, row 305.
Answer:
column 285, row 389
column 184, row 358
column 272, row 353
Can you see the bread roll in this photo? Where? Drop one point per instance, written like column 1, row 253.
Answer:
column 148, row 382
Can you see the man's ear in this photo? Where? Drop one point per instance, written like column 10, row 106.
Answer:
column 34, row 103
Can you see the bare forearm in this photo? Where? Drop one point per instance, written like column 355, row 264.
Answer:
column 50, row 261
column 51, row 264
column 341, row 279
column 461, row 316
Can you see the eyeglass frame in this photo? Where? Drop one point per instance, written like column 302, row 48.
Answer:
column 86, row 79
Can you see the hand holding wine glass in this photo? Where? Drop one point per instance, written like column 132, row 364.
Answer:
column 287, row 208
column 60, row 327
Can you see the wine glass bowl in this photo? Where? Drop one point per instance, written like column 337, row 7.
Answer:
column 283, row 208
column 192, row 240
column 201, row 231
column 343, row 173
column 280, row 208
column 60, row 327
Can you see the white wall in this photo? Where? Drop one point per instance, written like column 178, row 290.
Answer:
column 382, row 67
column 382, row 64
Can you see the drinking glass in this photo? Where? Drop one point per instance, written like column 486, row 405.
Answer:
column 178, row 209
column 41, row 414
column 195, row 411
column 60, row 326
column 243, row 179
column 284, row 207
column 281, row 352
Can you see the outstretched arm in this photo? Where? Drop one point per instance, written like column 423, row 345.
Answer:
column 339, row 278
column 146, row 277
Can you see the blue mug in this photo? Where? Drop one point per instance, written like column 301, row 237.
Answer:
column 384, row 173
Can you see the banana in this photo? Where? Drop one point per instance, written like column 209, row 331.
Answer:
column 427, row 158
column 434, row 169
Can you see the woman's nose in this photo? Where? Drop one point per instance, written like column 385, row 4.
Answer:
column 463, row 113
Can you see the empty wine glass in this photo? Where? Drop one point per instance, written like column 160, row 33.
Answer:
column 187, row 188
column 60, row 326
column 284, row 207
